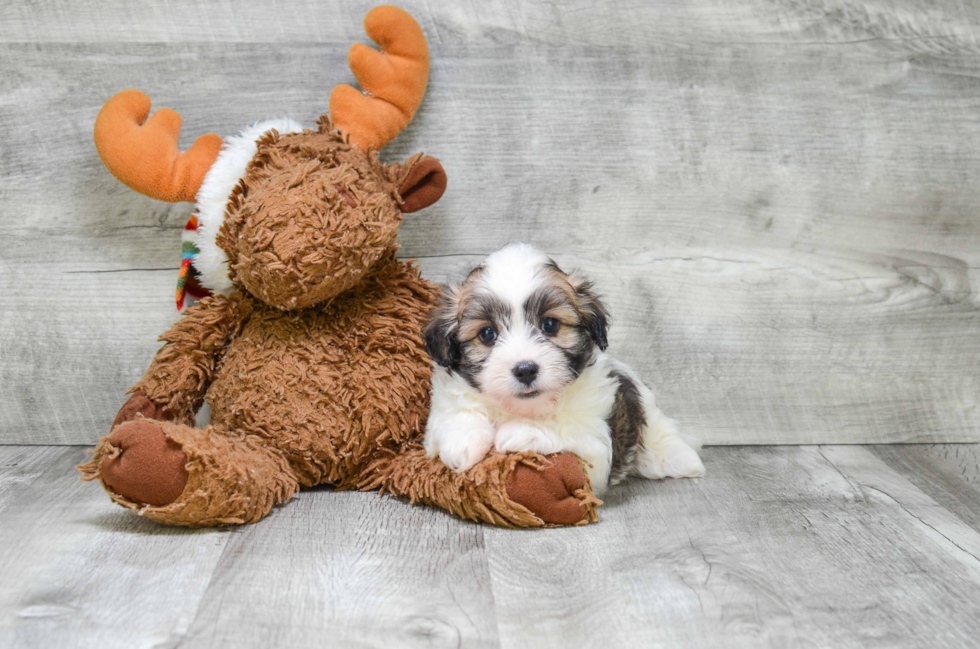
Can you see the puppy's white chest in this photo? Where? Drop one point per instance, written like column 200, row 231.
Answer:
column 578, row 424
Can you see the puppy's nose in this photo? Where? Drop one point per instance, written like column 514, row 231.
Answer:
column 526, row 372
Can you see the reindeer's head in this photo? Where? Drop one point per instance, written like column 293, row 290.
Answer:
column 293, row 216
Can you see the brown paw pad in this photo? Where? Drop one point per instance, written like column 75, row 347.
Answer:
column 146, row 466
column 139, row 405
column 549, row 493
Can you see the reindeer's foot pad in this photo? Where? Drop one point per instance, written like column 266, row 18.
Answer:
column 179, row 475
column 556, row 492
column 139, row 405
column 143, row 465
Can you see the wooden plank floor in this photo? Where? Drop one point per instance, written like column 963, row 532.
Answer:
column 813, row 546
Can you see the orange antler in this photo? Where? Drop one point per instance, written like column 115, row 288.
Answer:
column 143, row 153
column 393, row 80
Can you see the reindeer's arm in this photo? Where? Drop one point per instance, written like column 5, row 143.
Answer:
column 173, row 388
column 511, row 490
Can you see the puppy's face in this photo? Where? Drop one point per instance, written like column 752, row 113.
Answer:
column 518, row 329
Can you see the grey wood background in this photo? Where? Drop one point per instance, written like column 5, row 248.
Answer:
column 779, row 198
column 812, row 546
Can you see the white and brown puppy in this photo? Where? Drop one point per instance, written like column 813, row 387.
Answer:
column 519, row 348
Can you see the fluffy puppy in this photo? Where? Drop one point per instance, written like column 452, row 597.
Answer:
column 519, row 349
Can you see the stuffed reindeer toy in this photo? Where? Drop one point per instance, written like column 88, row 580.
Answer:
column 309, row 348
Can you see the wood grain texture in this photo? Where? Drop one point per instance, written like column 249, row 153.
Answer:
column 828, row 546
column 77, row 573
column 938, row 24
column 788, row 546
column 778, row 197
column 948, row 473
column 350, row 569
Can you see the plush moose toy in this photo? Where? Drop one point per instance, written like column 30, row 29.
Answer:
column 309, row 350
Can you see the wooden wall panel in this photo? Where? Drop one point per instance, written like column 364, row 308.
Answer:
column 778, row 199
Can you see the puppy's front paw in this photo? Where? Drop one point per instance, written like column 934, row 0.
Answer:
column 459, row 441
column 461, row 454
column 516, row 436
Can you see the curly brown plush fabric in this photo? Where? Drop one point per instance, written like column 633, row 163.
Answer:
column 231, row 479
column 312, row 216
column 488, row 491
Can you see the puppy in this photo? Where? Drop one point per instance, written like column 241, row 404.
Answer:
column 520, row 365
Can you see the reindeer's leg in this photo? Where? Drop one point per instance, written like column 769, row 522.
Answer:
column 195, row 477
column 512, row 490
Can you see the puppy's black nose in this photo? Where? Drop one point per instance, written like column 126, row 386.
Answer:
column 526, row 372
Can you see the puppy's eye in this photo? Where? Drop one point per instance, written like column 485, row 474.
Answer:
column 487, row 335
column 550, row 326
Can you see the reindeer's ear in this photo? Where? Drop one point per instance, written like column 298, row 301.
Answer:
column 441, row 340
column 422, row 183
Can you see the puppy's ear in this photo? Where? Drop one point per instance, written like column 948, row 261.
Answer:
column 440, row 332
column 595, row 319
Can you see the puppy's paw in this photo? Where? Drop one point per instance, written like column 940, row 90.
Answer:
column 460, row 455
column 682, row 461
column 674, row 459
column 460, row 442
column 516, row 436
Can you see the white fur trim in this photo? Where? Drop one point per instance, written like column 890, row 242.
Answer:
column 212, row 199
